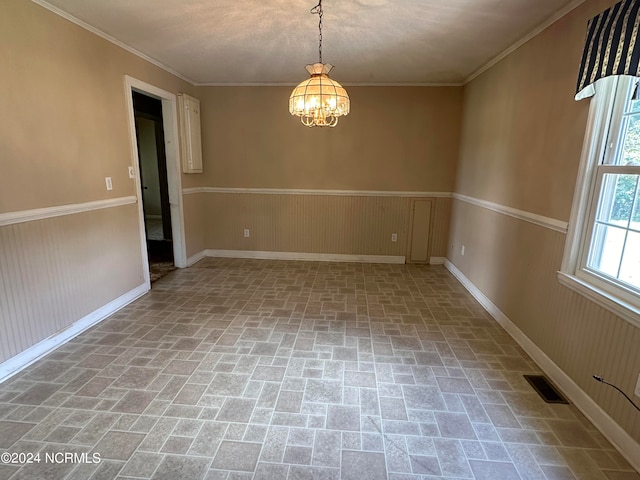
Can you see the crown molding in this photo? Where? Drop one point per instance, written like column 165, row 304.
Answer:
column 544, row 25
column 111, row 39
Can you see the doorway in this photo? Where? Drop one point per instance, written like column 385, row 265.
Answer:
column 153, row 179
column 154, row 116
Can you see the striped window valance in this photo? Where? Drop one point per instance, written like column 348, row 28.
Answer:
column 612, row 46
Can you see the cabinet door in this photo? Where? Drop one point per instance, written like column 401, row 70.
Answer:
column 420, row 225
column 190, row 135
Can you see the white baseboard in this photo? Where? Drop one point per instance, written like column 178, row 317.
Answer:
column 437, row 260
column 613, row 432
column 310, row 257
column 196, row 258
column 31, row 354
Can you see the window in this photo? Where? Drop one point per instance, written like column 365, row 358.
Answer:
column 602, row 257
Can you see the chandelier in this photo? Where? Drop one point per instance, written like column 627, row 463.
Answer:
column 319, row 101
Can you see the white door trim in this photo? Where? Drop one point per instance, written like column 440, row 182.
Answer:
column 174, row 181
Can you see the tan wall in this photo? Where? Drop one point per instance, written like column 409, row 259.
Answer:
column 398, row 139
column 63, row 128
column 522, row 129
column 521, row 143
column 64, row 121
column 395, row 139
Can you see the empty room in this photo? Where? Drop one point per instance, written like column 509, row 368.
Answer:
column 223, row 258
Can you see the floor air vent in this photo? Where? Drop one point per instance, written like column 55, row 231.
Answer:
column 544, row 388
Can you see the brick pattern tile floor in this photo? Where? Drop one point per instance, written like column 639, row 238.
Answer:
column 251, row 369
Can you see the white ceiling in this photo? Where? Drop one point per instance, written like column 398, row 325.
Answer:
column 270, row 41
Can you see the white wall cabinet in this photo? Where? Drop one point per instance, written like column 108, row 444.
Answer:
column 190, row 136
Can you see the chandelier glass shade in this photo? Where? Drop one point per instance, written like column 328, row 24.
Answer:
column 319, row 100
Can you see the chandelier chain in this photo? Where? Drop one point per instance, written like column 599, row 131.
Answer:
column 317, row 10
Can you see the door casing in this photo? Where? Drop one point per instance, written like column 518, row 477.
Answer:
column 174, row 180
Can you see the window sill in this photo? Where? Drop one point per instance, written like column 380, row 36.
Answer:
column 607, row 301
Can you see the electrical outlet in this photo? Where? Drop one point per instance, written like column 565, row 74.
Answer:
column 246, row 233
column 394, row 237
column 637, row 392
column 107, row 180
column 462, row 250
column 131, row 173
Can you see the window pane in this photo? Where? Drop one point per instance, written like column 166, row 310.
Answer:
column 630, row 154
column 606, row 251
column 630, row 268
column 616, row 199
column 635, row 214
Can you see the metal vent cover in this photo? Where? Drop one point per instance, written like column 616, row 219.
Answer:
column 545, row 389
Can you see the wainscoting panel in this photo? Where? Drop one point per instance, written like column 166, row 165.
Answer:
column 56, row 271
column 514, row 263
column 345, row 224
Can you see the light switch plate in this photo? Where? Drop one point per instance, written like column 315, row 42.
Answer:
column 107, row 181
column 131, row 174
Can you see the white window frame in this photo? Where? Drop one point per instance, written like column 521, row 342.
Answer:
column 605, row 113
